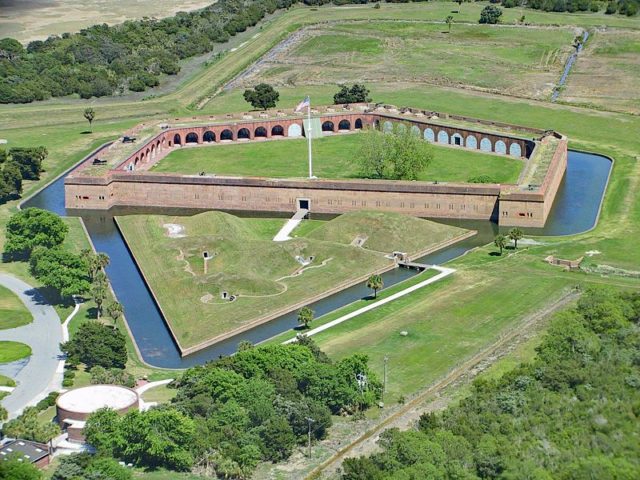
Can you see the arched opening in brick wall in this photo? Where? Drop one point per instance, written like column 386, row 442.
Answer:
column 358, row 124
column 471, row 142
column 415, row 130
column 515, row 150
column 443, row 137
column 244, row 134
column 277, row 131
column 327, row 126
column 501, row 147
column 177, row 140
column 192, row 137
column 260, row 132
column 344, row 125
column 429, row 135
column 226, row 134
column 485, row 145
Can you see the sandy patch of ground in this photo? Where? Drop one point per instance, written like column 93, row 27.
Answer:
column 174, row 230
column 27, row 20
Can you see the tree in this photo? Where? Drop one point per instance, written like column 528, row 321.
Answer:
column 89, row 114
column 34, row 227
column 99, row 292
column 14, row 468
column 449, row 22
column 102, row 431
column 160, row 437
column 29, row 427
column 305, row 316
column 262, row 97
column 29, row 160
column 500, row 241
column 115, row 310
column 97, row 344
column 375, row 283
column 12, row 177
column 61, row 270
column 398, row 154
column 490, row 14
column 95, row 261
column 515, row 234
column 115, row 376
column 357, row 93
column 91, row 467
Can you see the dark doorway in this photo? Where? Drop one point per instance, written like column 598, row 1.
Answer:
column 303, row 203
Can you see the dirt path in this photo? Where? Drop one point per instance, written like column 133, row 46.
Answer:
column 431, row 399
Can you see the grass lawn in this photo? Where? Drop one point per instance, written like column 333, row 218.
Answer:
column 276, row 280
column 6, row 381
column 334, row 156
column 12, row 351
column 516, row 61
column 13, row 313
column 161, row 394
column 451, row 319
column 329, row 317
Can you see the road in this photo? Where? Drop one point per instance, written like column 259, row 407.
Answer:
column 42, row 373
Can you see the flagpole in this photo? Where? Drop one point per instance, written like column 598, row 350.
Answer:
column 309, row 140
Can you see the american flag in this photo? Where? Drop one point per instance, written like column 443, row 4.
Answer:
column 303, row 104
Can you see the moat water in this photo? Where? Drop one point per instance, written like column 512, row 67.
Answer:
column 575, row 210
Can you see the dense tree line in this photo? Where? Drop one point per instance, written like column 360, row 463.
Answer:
column 16, row 165
column 572, row 413
column 623, row 7
column 229, row 415
column 102, row 60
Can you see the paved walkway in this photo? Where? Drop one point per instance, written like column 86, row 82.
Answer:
column 444, row 272
column 285, row 231
column 41, row 374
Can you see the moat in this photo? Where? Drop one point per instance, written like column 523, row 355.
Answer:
column 575, row 210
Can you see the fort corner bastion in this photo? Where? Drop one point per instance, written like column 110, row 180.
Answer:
column 118, row 175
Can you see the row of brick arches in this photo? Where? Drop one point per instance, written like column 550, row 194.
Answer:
column 465, row 139
column 294, row 130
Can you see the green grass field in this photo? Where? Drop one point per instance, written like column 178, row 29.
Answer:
column 6, row 381
column 266, row 276
column 514, row 61
column 12, row 311
column 334, row 156
column 12, row 351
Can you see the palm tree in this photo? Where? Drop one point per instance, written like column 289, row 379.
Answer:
column 89, row 114
column 500, row 241
column 115, row 310
column 375, row 283
column 96, row 262
column 99, row 291
column 516, row 234
column 305, row 316
column 449, row 21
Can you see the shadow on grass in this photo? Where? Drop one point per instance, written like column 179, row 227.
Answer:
column 495, row 254
column 86, row 132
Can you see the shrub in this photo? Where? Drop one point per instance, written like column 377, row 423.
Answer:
column 490, row 14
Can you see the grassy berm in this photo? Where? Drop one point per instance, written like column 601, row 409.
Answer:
column 265, row 276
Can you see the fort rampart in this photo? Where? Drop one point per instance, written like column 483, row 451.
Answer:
column 128, row 183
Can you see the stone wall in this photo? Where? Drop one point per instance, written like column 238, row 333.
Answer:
column 269, row 195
